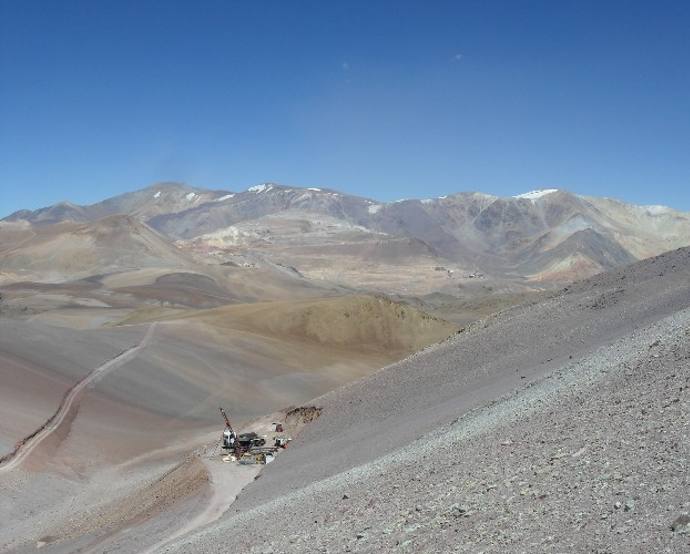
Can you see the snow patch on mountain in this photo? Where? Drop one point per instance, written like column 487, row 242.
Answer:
column 260, row 188
column 314, row 189
column 374, row 208
column 657, row 210
column 535, row 194
column 225, row 197
column 190, row 196
column 157, row 195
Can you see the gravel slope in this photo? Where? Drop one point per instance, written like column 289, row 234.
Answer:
column 431, row 460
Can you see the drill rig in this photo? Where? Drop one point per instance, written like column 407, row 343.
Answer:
column 230, row 441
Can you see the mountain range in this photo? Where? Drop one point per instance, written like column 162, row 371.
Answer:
column 409, row 246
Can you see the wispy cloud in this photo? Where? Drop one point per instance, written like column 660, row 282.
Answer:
column 457, row 57
column 345, row 66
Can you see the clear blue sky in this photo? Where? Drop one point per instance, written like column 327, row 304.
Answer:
column 384, row 99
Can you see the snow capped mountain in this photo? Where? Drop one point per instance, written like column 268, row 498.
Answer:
column 541, row 235
column 258, row 189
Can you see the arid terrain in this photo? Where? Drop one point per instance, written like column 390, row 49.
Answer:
column 467, row 373
column 330, row 277
column 556, row 427
column 411, row 246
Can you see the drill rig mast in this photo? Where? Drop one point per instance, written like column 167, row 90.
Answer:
column 229, row 436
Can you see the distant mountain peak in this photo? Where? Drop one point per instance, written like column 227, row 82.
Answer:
column 263, row 187
column 270, row 186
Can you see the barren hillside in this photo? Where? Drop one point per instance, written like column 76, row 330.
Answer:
column 71, row 251
column 353, row 322
column 557, row 427
column 106, row 419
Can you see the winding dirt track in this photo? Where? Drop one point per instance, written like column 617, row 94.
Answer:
column 25, row 447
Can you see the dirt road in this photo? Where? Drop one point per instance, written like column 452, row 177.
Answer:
column 227, row 480
column 73, row 396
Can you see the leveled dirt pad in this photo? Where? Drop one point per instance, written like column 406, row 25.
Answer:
column 438, row 453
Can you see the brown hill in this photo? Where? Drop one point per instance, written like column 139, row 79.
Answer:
column 354, row 322
column 73, row 250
